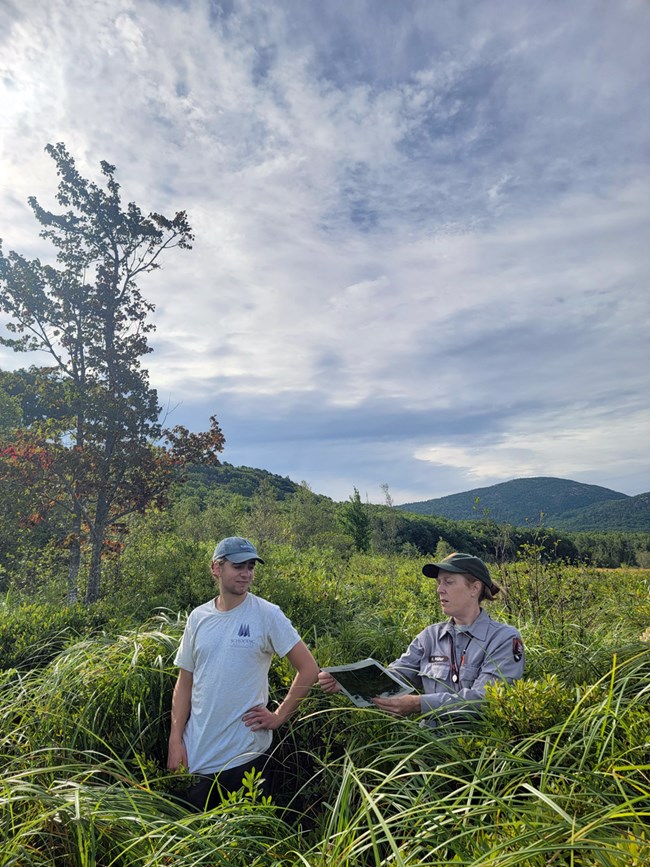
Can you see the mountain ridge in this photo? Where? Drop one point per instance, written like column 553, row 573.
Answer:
column 561, row 503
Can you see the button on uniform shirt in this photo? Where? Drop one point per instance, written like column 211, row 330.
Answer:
column 452, row 665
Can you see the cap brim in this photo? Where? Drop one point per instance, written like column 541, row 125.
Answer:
column 243, row 558
column 431, row 569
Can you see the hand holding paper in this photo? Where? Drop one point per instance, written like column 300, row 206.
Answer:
column 364, row 681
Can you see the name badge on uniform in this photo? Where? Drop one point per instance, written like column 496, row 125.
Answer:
column 438, row 659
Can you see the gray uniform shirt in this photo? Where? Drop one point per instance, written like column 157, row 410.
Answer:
column 453, row 668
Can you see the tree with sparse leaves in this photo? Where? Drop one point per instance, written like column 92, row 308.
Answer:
column 356, row 521
column 93, row 450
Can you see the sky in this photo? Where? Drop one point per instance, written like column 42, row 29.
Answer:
column 422, row 247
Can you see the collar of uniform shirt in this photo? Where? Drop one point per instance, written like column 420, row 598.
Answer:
column 478, row 629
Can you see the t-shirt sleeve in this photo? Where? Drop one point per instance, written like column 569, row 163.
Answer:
column 184, row 657
column 281, row 634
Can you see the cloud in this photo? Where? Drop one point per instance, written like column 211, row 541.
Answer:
column 399, row 214
column 552, row 444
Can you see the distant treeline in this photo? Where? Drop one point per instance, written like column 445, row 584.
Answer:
column 221, row 501
column 286, row 511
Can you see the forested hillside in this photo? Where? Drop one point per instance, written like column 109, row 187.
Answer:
column 523, row 502
column 245, row 481
column 305, row 518
column 630, row 514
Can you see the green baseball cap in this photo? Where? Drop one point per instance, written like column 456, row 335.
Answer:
column 457, row 562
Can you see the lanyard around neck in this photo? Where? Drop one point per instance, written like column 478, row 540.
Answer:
column 455, row 668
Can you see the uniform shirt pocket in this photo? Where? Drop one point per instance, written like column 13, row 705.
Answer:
column 436, row 671
column 468, row 674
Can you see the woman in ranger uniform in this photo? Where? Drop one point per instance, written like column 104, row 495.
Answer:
column 453, row 661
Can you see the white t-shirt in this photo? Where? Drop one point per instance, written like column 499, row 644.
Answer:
column 229, row 654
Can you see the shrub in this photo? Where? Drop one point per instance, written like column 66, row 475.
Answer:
column 32, row 635
column 161, row 570
column 527, row 706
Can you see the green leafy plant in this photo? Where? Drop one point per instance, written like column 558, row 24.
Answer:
column 527, row 706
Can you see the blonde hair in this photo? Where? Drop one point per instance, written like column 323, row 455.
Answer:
column 487, row 594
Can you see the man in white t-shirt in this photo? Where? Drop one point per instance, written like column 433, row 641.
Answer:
column 220, row 724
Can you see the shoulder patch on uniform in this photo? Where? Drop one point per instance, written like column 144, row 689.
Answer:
column 517, row 649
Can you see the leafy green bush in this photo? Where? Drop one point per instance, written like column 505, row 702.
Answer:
column 32, row 635
column 160, row 570
column 527, row 706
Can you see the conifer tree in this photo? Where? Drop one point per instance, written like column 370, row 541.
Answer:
column 357, row 521
column 88, row 315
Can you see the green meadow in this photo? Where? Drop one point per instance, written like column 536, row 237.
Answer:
column 557, row 771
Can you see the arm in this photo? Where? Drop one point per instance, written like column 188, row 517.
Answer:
column 300, row 657
column 181, row 706
column 408, row 665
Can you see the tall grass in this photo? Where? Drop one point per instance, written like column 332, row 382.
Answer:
column 384, row 792
column 557, row 772
column 577, row 793
column 80, row 815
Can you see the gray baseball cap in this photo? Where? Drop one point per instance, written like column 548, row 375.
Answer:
column 236, row 549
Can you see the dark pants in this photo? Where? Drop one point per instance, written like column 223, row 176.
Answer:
column 207, row 791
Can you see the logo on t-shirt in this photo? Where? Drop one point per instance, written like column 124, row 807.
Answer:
column 243, row 638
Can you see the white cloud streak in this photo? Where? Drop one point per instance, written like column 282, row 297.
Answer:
column 439, row 209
